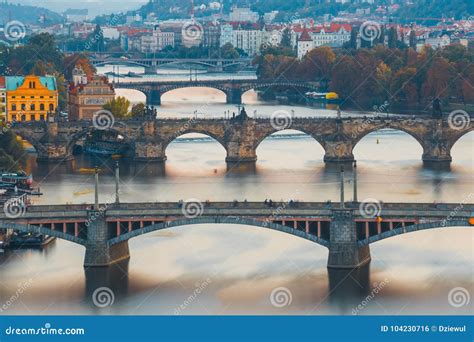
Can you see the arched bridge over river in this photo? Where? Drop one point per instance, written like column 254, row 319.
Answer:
column 233, row 89
column 149, row 138
column 347, row 231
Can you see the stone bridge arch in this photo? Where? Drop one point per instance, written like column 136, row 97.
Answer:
column 414, row 228
column 119, row 128
column 269, row 131
column 457, row 136
column 41, row 148
column 219, row 135
column 217, row 220
column 363, row 127
column 166, row 89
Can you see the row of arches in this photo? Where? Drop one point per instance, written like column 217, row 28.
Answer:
column 379, row 144
column 198, row 95
column 383, row 144
column 81, row 237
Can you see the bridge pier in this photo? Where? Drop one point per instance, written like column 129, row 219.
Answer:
column 241, row 147
column 54, row 152
column 98, row 252
column 338, row 152
column 234, row 96
column 149, row 151
column 343, row 249
column 151, row 70
column 437, row 152
column 240, row 154
column 153, row 98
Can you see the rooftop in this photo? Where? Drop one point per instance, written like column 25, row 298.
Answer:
column 13, row 82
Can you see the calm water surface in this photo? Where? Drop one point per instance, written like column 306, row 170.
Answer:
column 237, row 267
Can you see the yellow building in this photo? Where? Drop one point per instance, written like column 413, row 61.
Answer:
column 31, row 98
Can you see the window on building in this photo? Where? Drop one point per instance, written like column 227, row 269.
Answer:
column 32, row 118
column 13, row 117
column 42, row 106
column 13, row 106
column 32, row 106
column 42, row 117
column 51, row 107
column 23, row 106
column 23, row 117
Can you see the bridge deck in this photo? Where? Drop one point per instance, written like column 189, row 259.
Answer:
column 250, row 209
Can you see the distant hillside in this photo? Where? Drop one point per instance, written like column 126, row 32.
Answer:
column 312, row 8
column 437, row 9
column 28, row 14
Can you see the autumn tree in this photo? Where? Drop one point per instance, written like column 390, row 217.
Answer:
column 119, row 107
column 317, row 64
column 438, row 79
column 345, row 77
column 403, row 89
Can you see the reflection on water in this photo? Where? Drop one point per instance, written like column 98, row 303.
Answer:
column 237, row 267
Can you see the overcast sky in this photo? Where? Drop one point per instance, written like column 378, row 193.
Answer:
column 95, row 7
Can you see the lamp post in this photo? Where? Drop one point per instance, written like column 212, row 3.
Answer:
column 354, row 181
column 117, row 182
column 96, row 201
column 342, row 187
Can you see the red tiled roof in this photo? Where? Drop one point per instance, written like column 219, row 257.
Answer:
column 333, row 27
column 305, row 37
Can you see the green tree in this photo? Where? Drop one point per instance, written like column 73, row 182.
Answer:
column 11, row 151
column 229, row 52
column 119, row 107
column 317, row 64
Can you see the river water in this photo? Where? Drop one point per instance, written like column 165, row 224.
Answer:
column 232, row 269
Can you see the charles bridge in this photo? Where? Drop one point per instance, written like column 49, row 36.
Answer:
column 149, row 137
column 233, row 89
